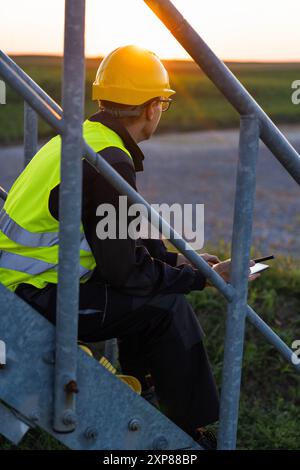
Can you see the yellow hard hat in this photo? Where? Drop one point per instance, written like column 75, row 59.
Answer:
column 131, row 75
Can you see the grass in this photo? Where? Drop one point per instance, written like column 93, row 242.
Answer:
column 198, row 104
column 270, row 392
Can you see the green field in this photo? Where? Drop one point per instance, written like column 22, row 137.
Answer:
column 198, row 104
column 270, row 394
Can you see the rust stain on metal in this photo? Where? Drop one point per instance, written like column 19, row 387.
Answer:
column 71, row 387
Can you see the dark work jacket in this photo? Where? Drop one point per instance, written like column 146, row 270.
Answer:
column 135, row 267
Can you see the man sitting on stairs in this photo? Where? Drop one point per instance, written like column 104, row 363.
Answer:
column 130, row 290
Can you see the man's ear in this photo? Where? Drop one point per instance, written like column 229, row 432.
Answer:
column 150, row 110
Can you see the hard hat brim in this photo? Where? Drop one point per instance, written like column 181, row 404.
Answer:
column 127, row 96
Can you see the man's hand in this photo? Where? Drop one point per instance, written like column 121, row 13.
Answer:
column 210, row 259
column 224, row 268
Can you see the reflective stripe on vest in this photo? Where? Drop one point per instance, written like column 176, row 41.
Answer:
column 23, row 263
column 28, row 265
column 19, row 235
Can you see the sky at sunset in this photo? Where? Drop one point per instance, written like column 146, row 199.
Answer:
column 234, row 29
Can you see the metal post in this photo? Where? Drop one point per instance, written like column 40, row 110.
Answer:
column 3, row 194
column 227, row 83
column 111, row 351
column 237, row 308
column 30, row 133
column 70, row 217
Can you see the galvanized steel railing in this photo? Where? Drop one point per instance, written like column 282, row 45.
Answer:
column 30, row 133
column 255, row 124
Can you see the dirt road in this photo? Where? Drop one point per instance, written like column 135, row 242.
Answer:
column 200, row 167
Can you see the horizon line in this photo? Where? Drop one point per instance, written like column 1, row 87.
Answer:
column 178, row 59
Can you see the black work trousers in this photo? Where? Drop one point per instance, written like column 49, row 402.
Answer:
column 159, row 335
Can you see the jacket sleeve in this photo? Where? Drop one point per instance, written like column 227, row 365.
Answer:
column 121, row 262
column 157, row 249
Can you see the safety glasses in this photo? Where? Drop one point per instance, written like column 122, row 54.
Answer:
column 165, row 103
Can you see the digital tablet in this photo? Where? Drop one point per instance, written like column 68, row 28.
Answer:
column 258, row 268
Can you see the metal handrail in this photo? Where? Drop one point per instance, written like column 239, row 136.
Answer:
column 3, row 194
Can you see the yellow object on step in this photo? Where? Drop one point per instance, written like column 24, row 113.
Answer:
column 129, row 380
column 132, row 382
column 105, row 363
column 86, row 349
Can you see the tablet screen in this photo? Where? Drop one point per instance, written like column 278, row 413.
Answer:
column 258, row 268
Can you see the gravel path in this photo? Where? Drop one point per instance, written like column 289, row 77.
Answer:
column 200, row 167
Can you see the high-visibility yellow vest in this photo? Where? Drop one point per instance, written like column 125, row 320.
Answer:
column 28, row 231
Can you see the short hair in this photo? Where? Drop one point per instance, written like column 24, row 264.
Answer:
column 119, row 110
